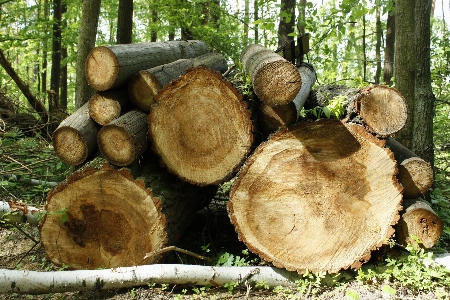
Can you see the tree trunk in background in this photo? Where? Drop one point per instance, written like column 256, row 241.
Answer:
column 378, row 46
column 389, row 49
column 44, row 52
column 405, row 64
column 287, row 21
column 55, row 79
column 246, row 21
column 154, row 34
column 256, row 18
column 424, row 99
column 63, row 93
column 364, row 49
column 125, row 22
column 86, row 41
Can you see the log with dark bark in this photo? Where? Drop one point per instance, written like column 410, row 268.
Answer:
column 144, row 86
column 415, row 174
column 76, row 137
column 381, row 109
column 200, row 127
column 124, row 139
column 108, row 105
column 319, row 196
column 271, row 119
column 275, row 80
column 101, row 217
column 109, row 67
column 419, row 225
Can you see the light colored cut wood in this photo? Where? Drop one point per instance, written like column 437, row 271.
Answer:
column 108, row 105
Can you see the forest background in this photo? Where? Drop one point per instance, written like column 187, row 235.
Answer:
column 404, row 44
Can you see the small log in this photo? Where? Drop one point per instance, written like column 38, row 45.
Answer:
column 101, row 217
column 271, row 119
column 108, row 105
column 381, row 109
column 124, row 139
column 109, row 67
column 275, row 80
column 144, row 86
column 76, row 137
column 414, row 174
column 319, row 196
column 419, row 225
column 18, row 212
column 200, row 127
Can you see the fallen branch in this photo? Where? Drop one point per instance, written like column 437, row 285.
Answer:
column 17, row 212
column 33, row 282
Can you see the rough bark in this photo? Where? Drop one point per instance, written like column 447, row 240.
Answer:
column 200, row 127
column 144, row 86
column 107, row 106
column 381, row 109
column 104, row 217
column 125, row 22
column 76, row 137
column 110, row 67
column 388, row 70
column 86, row 41
column 419, row 225
column 414, row 174
column 55, row 76
column 275, row 80
column 319, row 196
column 32, row 282
column 271, row 119
column 124, row 139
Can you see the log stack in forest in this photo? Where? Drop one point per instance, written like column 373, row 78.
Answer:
column 315, row 195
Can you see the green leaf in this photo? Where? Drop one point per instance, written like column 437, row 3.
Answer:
column 388, row 290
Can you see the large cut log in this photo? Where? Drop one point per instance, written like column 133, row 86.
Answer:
column 104, row 217
column 271, row 119
column 108, row 105
column 415, row 174
column 381, row 109
column 76, row 137
column 319, row 196
column 419, row 225
column 144, row 86
column 124, row 139
column 200, row 127
column 110, row 67
column 275, row 80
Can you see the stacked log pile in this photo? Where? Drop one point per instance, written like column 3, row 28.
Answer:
column 315, row 195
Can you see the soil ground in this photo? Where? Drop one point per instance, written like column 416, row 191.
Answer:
column 212, row 233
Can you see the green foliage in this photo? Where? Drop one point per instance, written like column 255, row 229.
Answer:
column 335, row 109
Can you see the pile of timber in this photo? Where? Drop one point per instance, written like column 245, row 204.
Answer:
column 314, row 195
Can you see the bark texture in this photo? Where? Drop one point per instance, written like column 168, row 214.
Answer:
column 110, row 67
column 200, row 127
column 76, row 137
column 275, row 80
column 104, row 217
column 124, row 139
column 319, row 196
column 145, row 85
column 107, row 106
column 419, row 225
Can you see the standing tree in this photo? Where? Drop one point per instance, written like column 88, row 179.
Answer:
column 388, row 70
column 287, row 21
column 53, row 101
column 125, row 22
column 86, row 41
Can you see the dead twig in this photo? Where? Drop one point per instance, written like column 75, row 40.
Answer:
column 174, row 248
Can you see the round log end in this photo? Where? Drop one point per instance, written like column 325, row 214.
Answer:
column 103, row 109
column 383, row 109
column 70, row 146
column 200, row 127
column 277, row 82
column 117, row 145
column 416, row 176
column 101, row 68
column 318, row 196
column 142, row 89
column 86, row 230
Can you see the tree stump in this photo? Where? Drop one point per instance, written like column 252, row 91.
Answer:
column 101, row 217
column 275, row 80
column 107, row 106
column 76, row 137
column 109, row 67
column 319, row 196
column 124, row 139
column 200, row 127
column 146, row 84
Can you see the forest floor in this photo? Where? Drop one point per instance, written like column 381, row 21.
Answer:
column 212, row 233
